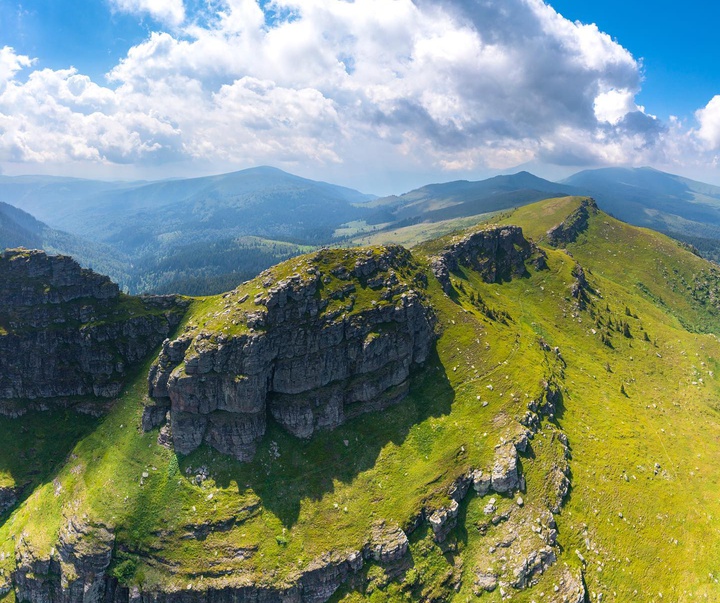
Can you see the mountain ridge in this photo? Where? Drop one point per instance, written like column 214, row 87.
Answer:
column 566, row 422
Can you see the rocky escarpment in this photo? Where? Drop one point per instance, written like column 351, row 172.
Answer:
column 496, row 253
column 521, row 535
column 336, row 337
column 576, row 223
column 66, row 331
column 76, row 570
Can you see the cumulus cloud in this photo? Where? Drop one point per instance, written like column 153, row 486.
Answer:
column 11, row 63
column 454, row 84
column 709, row 119
column 171, row 12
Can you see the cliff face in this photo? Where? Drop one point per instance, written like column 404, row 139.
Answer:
column 66, row 331
column 498, row 254
column 576, row 223
column 336, row 338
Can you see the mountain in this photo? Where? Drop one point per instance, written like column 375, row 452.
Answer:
column 199, row 235
column 260, row 201
column 205, row 235
column 525, row 409
column 53, row 199
column 648, row 197
column 462, row 198
column 20, row 229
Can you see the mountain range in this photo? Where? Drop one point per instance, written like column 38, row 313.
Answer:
column 205, row 235
column 522, row 410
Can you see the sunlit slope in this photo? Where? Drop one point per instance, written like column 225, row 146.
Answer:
column 632, row 371
column 645, row 476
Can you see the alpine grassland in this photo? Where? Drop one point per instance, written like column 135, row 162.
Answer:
column 599, row 364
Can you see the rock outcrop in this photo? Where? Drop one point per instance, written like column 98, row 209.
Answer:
column 8, row 498
column 576, row 223
column 497, row 254
column 336, row 338
column 76, row 571
column 66, row 331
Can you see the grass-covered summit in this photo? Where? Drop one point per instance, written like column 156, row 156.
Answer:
column 557, row 444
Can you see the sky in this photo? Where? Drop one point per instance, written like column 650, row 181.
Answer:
column 380, row 95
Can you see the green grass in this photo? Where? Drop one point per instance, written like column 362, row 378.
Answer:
column 35, row 444
column 267, row 520
column 412, row 235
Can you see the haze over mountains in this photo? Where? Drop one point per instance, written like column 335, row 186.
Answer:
column 205, row 235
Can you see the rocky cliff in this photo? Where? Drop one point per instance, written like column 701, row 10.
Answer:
column 311, row 343
column 569, row 229
column 497, row 253
column 66, row 331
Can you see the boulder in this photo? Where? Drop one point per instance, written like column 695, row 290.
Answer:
column 505, row 478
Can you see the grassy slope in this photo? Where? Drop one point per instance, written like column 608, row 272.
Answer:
column 667, row 538
column 283, row 502
column 410, row 236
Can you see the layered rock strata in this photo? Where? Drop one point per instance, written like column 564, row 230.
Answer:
column 496, row 253
column 66, row 331
column 336, row 338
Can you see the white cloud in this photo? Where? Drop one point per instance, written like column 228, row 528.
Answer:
column 402, row 85
column 170, row 12
column 709, row 119
column 11, row 63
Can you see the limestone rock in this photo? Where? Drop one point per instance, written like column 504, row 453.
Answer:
column 66, row 331
column 485, row 581
column 387, row 544
column 308, row 367
column 535, row 563
column 8, row 498
column 505, row 477
column 482, row 481
column 575, row 224
column 443, row 520
column 76, row 573
column 497, row 253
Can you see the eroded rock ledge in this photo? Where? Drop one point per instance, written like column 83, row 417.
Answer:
column 576, row 223
column 67, row 331
column 337, row 337
column 497, row 253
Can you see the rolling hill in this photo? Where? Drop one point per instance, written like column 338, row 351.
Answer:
column 20, row 229
column 648, row 197
column 462, row 198
column 552, row 437
column 200, row 235
column 205, row 235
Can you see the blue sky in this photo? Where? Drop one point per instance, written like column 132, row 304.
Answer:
column 85, row 34
column 677, row 41
column 382, row 95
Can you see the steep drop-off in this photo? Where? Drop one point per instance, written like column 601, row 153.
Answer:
column 66, row 331
column 541, row 426
column 337, row 337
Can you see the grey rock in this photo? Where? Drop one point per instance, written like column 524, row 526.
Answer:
column 308, row 370
column 535, row 563
column 8, row 498
column 481, row 481
column 388, row 544
column 76, row 574
column 576, row 223
column 485, row 582
column 505, row 477
column 497, row 253
column 69, row 331
column 443, row 520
